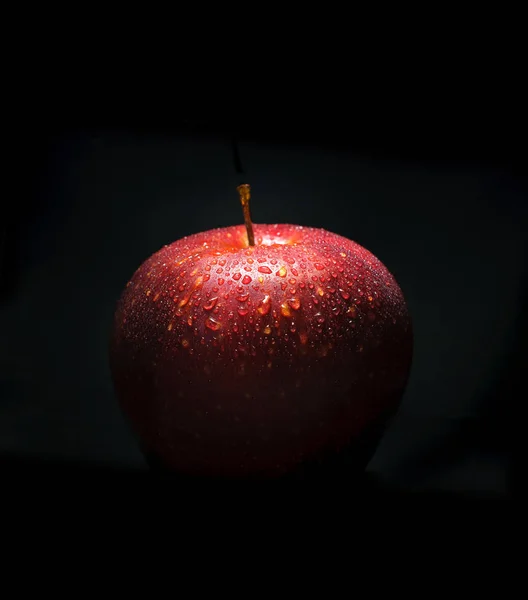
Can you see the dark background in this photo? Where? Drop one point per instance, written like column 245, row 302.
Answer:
column 443, row 206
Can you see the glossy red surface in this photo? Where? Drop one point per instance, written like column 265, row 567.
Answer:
column 236, row 360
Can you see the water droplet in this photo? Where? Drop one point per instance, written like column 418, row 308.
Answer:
column 206, row 277
column 213, row 324
column 295, row 272
column 281, row 272
column 147, row 293
column 247, row 279
column 185, row 343
column 264, row 307
column 184, row 301
column 189, row 321
column 370, row 298
column 250, row 261
column 285, row 310
column 246, row 268
column 318, row 266
column 222, row 262
column 320, row 291
column 352, row 311
column 243, row 312
column 243, row 298
column 295, row 303
column 211, row 304
column 169, row 328
column 344, row 294
column 237, row 276
column 261, row 279
column 264, row 270
column 220, row 281
column 336, row 310
column 331, row 290
column 303, row 337
column 319, row 318
column 342, row 254
column 267, row 330
column 273, row 261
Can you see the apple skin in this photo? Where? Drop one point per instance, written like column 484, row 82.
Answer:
column 237, row 361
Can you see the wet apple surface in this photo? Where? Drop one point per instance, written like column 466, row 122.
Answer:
column 238, row 360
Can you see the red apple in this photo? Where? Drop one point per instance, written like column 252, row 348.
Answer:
column 232, row 359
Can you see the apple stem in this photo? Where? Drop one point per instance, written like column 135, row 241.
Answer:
column 245, row 195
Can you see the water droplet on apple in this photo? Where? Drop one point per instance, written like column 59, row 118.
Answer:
column 211, row 304
column 264, row 270
column 185, row 343
column 264, row 306
column 237, row 276
column 318, row 266
column 285, row 310
column 213, row 324
column 295, row 303
column 344, row 294
column 247, row 279
column 220, row 281
column 282, row 272
column 319, row 318
column 243, row 298
column 243, row 312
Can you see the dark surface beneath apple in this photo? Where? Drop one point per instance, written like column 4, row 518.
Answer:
column 451, row 234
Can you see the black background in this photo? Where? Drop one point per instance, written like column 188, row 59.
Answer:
column 441, row 201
